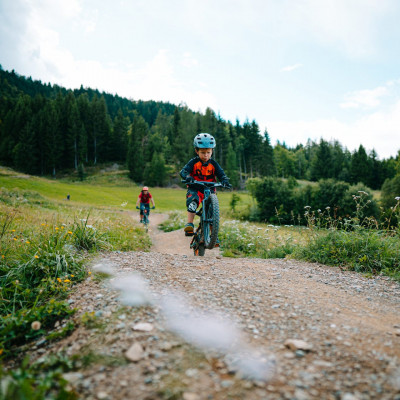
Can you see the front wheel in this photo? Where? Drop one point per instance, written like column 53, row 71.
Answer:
column 200, row 250
column 211, row 223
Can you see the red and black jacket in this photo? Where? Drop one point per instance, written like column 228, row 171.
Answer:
column 200, row 171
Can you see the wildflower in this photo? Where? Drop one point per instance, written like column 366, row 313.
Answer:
column 28, row 242
column 57, row 228
column 66, row 280
column 3, row 256
column 35, row 325
column 307, row 207
column 12, row 230
column 69, row 233
column 62, row 227
column 72, row 276
column 397, row 198
column 1, row 351
column 43, row 224
column 36, row 256
column 59, row 280
column 327, row 208
column 90, row 272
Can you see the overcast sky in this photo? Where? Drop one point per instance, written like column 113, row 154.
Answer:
column 301, row 68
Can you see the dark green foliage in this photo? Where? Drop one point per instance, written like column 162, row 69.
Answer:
column 281, row 201
column 275, row 200
column 45, row 129
column 41, row 380
column 390, row 190
column 155, row 173
column 16, row 329
column 135, row 159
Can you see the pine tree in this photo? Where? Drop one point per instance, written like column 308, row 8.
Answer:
column 321, row 164
column 231, row 166
column 359, row 166
column 266, row 162
column 135, row 160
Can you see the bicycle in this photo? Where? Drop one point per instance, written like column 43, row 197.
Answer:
column 206, row 234
column 146, row 211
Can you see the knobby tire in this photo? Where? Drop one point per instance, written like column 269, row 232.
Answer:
column 200, row 250
column 211, row 226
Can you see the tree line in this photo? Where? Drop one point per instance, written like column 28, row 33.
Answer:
column 45, row 129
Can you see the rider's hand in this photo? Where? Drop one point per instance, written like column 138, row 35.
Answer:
column 153, row 207
column 227, row 184
column 138, row 207
column 189, row 179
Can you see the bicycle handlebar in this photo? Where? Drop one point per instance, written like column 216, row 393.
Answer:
column 205, row 183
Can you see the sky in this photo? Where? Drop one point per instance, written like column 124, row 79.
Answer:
column 302, row 69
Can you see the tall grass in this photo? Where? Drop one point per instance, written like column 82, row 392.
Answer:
column 43, row 251
column 357, row 243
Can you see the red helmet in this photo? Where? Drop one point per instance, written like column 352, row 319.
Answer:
column 145, row 188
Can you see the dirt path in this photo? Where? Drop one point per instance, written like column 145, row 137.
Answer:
column 172, row 242
column 221, row 328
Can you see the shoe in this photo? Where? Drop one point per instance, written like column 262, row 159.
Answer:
column 217, row 243
column 189, row 229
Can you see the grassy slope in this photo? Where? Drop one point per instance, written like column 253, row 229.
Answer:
column 108, row 190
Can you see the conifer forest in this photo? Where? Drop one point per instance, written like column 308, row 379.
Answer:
column 46, row 129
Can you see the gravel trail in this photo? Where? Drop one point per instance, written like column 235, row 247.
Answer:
column 223, row 328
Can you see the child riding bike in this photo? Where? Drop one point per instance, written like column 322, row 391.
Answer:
column 200, row 168
column 144, row 200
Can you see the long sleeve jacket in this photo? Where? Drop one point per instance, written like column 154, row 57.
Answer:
column 200, row 171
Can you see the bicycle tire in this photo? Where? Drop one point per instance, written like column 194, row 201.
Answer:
column 200, row 250
column 211, row 225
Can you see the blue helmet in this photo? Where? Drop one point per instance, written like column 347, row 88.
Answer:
column 204, row 141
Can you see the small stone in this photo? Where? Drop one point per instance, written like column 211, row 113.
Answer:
column 72, row 377
column 190, row 396
column 102, row 395
column 349, row 396
column 135, row 353
column 167, row 346
column 300, row 353
column 296, row 344
column 191, row 372
column 143, row 327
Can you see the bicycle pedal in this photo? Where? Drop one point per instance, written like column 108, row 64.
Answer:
column 189, row 233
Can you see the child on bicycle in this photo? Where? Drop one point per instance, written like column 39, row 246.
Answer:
column 200, row 168
column 144, row 200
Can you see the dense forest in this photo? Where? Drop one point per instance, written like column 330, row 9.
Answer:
column 45, row 129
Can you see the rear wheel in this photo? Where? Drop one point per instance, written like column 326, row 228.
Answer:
column 211, row 224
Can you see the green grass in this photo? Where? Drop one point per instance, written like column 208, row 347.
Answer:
column 111, row 192
column 45, row 242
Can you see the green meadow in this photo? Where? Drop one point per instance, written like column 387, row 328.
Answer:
column 110, row 190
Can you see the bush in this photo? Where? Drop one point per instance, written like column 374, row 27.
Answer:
column 363, row 250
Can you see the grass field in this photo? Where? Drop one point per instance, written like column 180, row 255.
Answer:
column 111, row 190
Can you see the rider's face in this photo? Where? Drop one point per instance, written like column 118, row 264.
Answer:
column 204, row 154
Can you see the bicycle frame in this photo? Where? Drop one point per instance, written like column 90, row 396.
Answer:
column 146, row 212
column 201, row 238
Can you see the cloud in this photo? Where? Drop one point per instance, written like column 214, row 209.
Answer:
column 189, row 61
column 378, row 130
column 351, row 26
column 365, row 98
column 291, row 68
